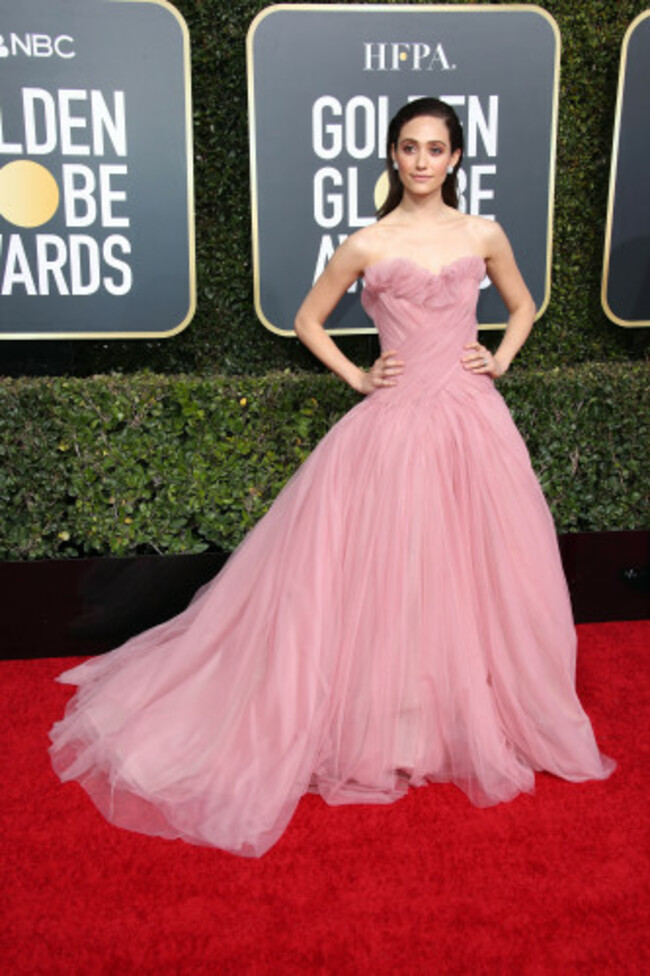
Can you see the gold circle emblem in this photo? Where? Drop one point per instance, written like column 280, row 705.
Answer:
column 381, row 190
column 29, row 194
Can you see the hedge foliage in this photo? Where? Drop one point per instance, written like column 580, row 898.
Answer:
column 189, row 455
column 146, row 463
column 225, row 335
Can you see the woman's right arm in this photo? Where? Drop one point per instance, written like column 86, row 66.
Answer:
column 346, row 265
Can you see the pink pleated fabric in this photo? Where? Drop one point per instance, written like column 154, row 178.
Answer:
column 399, row 616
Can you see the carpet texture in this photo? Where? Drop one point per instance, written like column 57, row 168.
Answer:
column 553, row 883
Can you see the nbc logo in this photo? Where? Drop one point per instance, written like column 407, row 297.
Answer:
column 36, row 46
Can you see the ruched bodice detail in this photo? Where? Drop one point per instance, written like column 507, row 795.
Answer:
column 402, row 297
column 427, row 318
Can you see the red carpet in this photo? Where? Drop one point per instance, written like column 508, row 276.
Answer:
column 553, row 883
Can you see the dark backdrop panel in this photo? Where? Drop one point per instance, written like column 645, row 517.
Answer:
column 86, row 606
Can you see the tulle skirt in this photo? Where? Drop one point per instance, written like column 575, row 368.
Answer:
column 399, row 616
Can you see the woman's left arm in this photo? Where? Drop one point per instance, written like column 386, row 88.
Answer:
column 506, row 276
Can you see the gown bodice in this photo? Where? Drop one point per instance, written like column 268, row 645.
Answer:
column 427, row 318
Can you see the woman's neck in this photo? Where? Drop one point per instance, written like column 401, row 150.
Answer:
column 429, row 208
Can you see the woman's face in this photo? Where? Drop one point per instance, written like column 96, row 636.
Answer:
column 423, row 153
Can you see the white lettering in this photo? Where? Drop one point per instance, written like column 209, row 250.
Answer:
column 476, row 192
column 461, row 184
column 41, row 46
column 488, row 128
column 370, row 54
column 420, row 51
column 456, row 101
column 78, row 195
column 114, row 125
column 112, row 243
column 108, row 196
column 382, row 125
column 51, row 265
column 410, row 55
column 361, row 127
column 17, row 271
column 439, row 57
column 326, row 139
column 399, row 52
column 68, row 122
column 354, row 220
column 67, row 266
column 58, row 46
column 367, row 109
column 25, row 45
column 51, row 121
column 333, row 200
column 33, row 97
column 80, row 263
column 325, row 252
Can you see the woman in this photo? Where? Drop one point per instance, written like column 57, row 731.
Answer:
column 400, row 614
column 420, row 222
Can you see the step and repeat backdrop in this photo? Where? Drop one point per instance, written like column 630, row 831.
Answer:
column 626, row 268
column 96, row 197
column 324, row 82
column 96, row 193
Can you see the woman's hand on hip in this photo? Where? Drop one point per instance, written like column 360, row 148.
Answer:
column 384, row 372
column 478, row 359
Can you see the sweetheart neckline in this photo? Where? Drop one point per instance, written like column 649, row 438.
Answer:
column 420, row 267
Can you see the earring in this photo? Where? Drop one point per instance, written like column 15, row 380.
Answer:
column 450, row 170
column 395, row 166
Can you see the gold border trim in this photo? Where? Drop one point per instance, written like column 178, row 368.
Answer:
column 390, row 8
column 189, row 144
column 613, row 170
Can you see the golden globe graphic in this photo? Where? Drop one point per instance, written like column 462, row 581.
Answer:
column 96, row 194
column 381, row 190
column 29, row 194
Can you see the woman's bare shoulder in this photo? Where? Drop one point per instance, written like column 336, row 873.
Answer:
column 486, row 235
column 365, row 244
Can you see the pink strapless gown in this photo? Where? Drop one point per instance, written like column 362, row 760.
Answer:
column 400, row 615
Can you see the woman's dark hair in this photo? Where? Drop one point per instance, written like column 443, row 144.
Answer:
column 436, row 109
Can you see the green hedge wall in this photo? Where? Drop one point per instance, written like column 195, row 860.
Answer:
column 226, row 336
column 189, row 454
column 180, row 464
